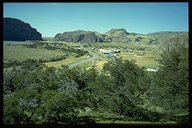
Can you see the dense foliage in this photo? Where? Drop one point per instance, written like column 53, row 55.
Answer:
column 170, row 85
column 34, row 93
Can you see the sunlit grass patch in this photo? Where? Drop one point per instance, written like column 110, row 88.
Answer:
column 21, row 53
column 67, row 61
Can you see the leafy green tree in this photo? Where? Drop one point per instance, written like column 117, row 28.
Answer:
column 42, row 95
column 119, row 88
column 170, row 84
column 20, row 106
column 102, row 90
column 14, row 79
column 62, row 107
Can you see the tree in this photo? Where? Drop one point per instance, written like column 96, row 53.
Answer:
column 170, row 89
column 119, row 88
column 20, row 106
column 41, row 95
column 15, row 78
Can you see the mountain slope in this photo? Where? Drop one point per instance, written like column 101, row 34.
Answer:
column 17, row 30
column 163, row 37
column 81, row 36
column 119, row 36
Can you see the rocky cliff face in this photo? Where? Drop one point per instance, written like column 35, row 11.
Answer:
column 117, row 32
column 17, row 30
column 114, row 35
column 81, row 36
column 118, row 35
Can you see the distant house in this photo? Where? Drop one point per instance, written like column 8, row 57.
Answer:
column 104, row 51
column 117, row 50
column 44, row 46
column 128, row 50
column 79, row 48
column 110, row 55
column 141, row 52
column 152, row 70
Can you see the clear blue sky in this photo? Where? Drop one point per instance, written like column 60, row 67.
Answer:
column 52, row 18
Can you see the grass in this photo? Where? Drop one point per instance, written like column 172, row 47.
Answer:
column 98, row 62
column 124, row 45
column 146, row 60
column 67, row 61
column 135, row 122
column 21, row 53
column 110, row 118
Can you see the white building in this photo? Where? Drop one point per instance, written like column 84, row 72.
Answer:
column 152, row 69
column 104, row 51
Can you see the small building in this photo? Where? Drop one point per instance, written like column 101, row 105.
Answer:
column 128, row 50
column 104, row 51
column 110, row 55
column 79, row 48
column 152, row 69
column 141, row 52
column 117, row 50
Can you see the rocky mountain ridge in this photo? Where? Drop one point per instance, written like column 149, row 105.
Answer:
column 117, row 35
column 17, row 30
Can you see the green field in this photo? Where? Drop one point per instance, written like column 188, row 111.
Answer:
column 67, row 61
column 21, row 53
column 128, row 45
column 145, row 60
column 108, row 118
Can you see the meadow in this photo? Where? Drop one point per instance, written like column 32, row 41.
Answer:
column 21, row 53
column 68, row 61
column 147, row 60
column 108, row 118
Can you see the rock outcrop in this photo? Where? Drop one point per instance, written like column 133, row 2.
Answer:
column 118, row 35
column 17, row 30
column 81, row 36
column 117, row 32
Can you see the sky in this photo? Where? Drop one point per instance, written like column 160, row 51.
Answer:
column 52, row 18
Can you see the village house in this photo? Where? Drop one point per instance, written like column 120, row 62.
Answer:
column 152, row 69
column 117, row 50
column 104, row 51
column 141, row 52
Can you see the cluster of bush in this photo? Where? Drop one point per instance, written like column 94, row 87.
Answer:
column 34, row 93
column 10, row 63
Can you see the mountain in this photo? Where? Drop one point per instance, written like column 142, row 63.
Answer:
column 81, row 36
column 117, row 32
column 164, row 36
column 114, row 35
column 120, row 35
column 17, row 30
